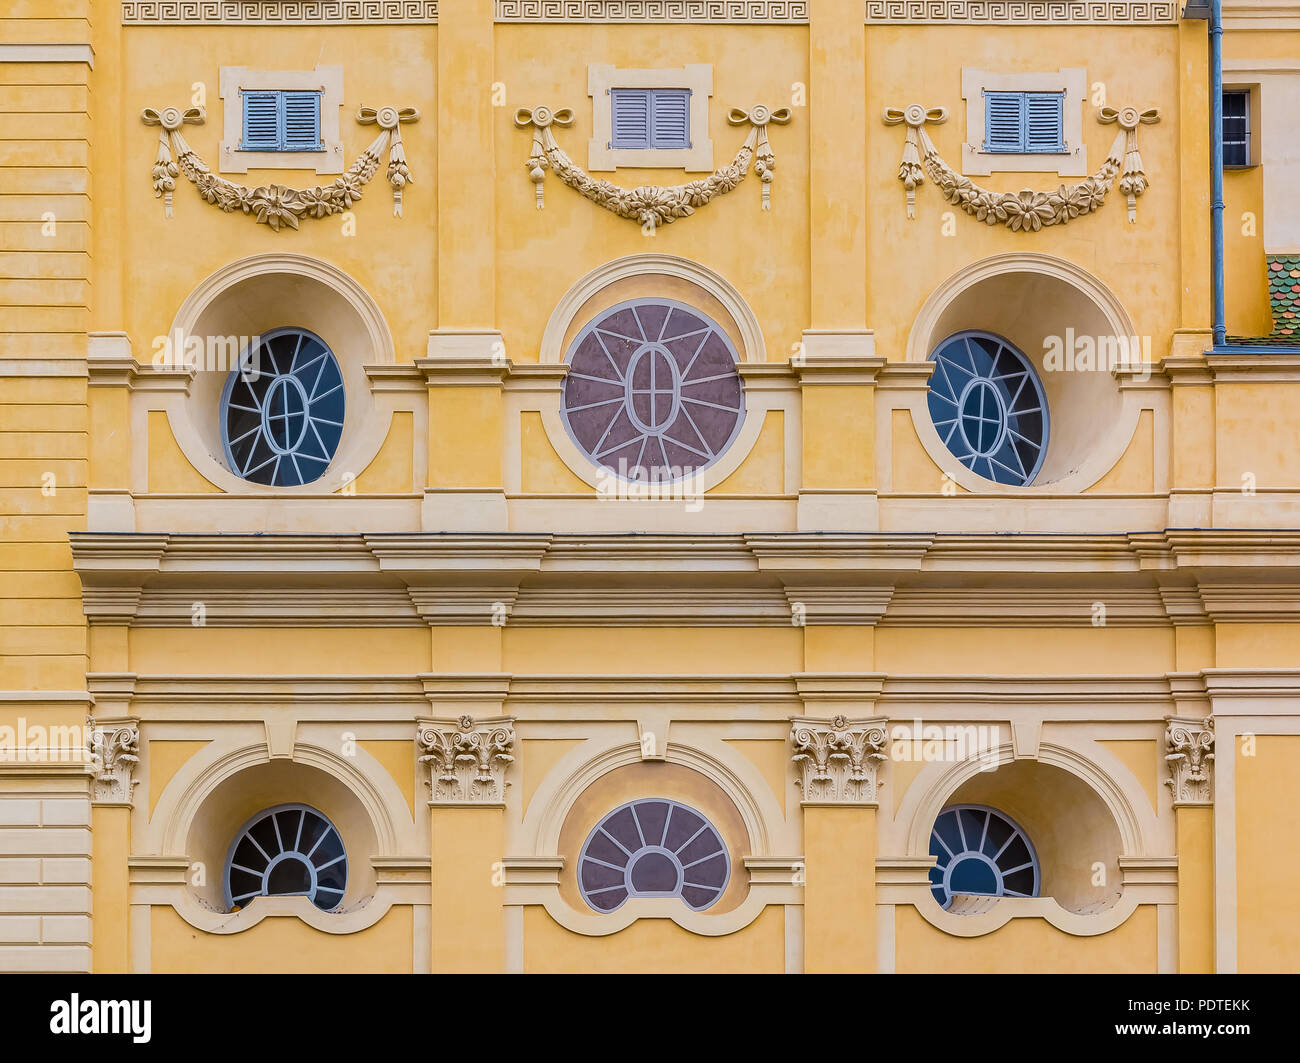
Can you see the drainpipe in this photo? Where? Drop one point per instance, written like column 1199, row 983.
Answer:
column 1216, row 171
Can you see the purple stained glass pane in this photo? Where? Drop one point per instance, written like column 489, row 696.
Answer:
column 671, row 851
column 652, row 391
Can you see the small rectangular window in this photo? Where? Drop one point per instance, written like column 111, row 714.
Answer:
column 1236, row 127
column 281, row 120
column 1024, row 123
column 651, row 118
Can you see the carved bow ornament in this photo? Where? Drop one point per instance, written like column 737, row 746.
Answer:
column 1027, row 210
column 651, row 205
column 277, row 205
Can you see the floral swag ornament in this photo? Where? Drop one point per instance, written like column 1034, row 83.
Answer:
column 276, row 205
column 651, row 205
column 1025, row 211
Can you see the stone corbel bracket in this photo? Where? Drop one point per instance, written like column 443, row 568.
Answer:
column 838, row 759
column 114, row 746
column 277, row 205
column 1189, row 745
column 651, row 205
column 1027, row 210
column 466, row 759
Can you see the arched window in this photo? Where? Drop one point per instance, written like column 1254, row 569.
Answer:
column 652, row 391
column 653, row 848
column 282, row 410
column 980, row 851
column 287, row 851
column 989, row 408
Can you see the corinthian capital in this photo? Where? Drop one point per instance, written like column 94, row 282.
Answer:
column 466, row 759
column 114, row 747
column 1189, row 745
column 838, row 759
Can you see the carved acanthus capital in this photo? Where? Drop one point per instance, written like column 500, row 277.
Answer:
column 838, row 759
column 1189, row 745
column 114, row 747
column 466, row 759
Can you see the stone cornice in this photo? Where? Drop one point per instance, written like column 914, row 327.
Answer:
column 922, row 580
column 1266, row 15
column 1280, row 368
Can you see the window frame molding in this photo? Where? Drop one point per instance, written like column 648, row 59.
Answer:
column 327, row 80
column 1253, row 119
column 695, row 77
column 1070, row 81
column 695, row 475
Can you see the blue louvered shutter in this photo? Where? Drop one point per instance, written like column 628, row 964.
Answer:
column 631, row 118
column 261, row 121
column 1044, row 121
column 1004, row 121
column 301, row 121
column 670, row 114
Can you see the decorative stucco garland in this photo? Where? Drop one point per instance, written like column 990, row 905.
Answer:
column 1027, row 210
column 277, row 205
column 651, row 205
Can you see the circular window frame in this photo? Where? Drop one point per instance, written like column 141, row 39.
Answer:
column 653, row 348
column 311, row 895
column 194, row 414
column 989, row 383
column 1017, row 831
column 1091, row 466
column 646, row 848
column 228, row 388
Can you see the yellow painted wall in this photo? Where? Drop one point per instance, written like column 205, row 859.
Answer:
column 1195, row 842
column 1268, row 913
column 468, row 845
column 280, row 945
column 654, row 946
column 1026, row 946
column 836, row 251
column 839, row 898
column 1244, row 265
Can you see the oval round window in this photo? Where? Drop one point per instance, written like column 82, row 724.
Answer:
column 652, row 391
column 282, row 410
column 989, row 408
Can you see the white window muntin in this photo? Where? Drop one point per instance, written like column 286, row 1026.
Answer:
column 993, row 856
column 289, row 822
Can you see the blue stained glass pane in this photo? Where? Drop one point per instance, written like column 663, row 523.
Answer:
column 989, row 407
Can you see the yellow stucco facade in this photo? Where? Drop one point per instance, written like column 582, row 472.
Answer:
column 814, row 654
